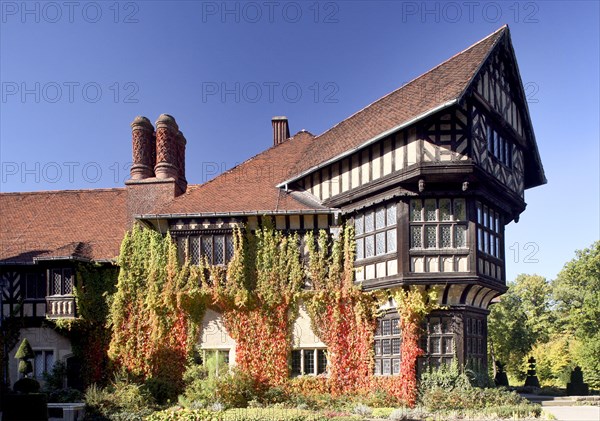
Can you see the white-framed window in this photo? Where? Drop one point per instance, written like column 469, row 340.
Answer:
column 308, row 361
column 43, row 362
column 216, row 360
column 376, row 232
column 438, row 223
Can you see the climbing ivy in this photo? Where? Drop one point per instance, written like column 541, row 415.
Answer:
column 342, row 315
column 257, row 296
column 156, row 310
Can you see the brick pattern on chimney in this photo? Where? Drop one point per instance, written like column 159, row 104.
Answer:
column 143, row 149
column 166, row 147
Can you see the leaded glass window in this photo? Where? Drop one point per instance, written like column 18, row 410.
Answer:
column 444, row 225
column 217, row 249
column 388, row 343
column 376, row 232
column 61, row 281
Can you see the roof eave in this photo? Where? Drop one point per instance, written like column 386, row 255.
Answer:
column 232, row 214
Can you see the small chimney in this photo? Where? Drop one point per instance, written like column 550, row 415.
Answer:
column 167, row 132
column 143, row 149
column 281, row 129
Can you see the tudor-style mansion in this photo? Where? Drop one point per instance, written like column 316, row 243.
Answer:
column 430, row 175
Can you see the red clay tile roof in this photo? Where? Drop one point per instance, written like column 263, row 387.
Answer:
column 86, row 224
column 250, row 186
column 442, row 84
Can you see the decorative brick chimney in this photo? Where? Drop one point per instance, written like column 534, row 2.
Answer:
column 158, row 169
column 281, row 129
column 143, row 148
column 167, row 132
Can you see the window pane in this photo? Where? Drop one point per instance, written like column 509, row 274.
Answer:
column 492, row 245
column 49, row 361
column 359, row 225
column 391, row 240
column 447, row 346
column 498, row 248
column 416, row 240
column 360, row 249
column 391, row 215
column 369, row 246
column 431, row 236
column 377, row 367
column 430, row 210
column 459, row 210
column 479, row 239
column 396, row 346
column 195, row 250
column 181, row 249
column 486, row 242
column 321, row 361
column 309, row 361
column 386, row 327
column 369, row 222
column 219, row 250
column 460, row 236
column 416, row 210
column 479, row 217
column 67, row 281
column 207, row 249
column 396, row 366
column 378, row 347
column 445, row 212
column 380, row 243
column 395, row 326
column 296, row 363
column 446, row 236
column 56, row 281
column 387, row 369
column 485, row 216
column 435, row 345
column 380, row 218
column 497, row 222
column 38, row 364
column 229, row 247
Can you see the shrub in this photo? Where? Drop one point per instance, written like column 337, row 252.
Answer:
column 438, row 399
column 161, row 390
column 182, row 414
column 26, row 385
column 446, row 376
column 65, row 395
column 235, row 389
column 122, row 400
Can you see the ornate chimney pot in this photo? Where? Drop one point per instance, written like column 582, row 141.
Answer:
column 143, row 148
column 166, row 147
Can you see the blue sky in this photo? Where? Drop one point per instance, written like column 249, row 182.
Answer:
column 75, row 74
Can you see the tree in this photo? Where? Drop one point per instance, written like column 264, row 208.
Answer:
column 577, row 296
column 522, row 318
column 25, row 353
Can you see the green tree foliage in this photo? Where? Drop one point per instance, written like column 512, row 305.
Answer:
column 558, row 322
column 521, row 319
column 577, row 296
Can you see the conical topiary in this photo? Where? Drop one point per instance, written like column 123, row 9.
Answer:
column 24, row 352
column 25, row 367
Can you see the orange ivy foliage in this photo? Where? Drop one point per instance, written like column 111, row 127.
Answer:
column 257, row 296
column 343, row 316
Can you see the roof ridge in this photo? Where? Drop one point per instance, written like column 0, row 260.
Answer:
column 502, row 28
